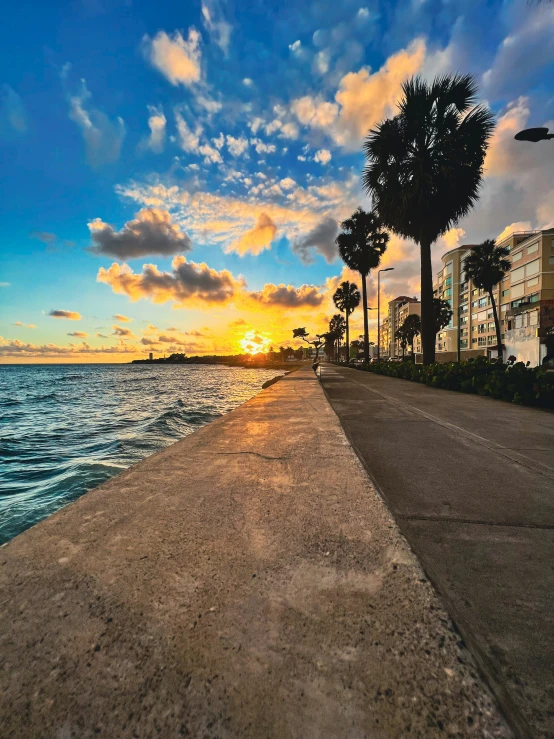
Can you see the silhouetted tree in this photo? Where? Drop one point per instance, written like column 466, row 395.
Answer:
column 337, row 326
column 425, row 168
column 486, row 265
column 442, row 313
column 347, row 299
column 317, row 343
column 361, row 245
column 410, row 328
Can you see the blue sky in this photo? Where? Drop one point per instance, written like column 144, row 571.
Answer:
column 219, row 143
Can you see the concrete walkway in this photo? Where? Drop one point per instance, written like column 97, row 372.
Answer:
column 470, row 481
column 246, row 582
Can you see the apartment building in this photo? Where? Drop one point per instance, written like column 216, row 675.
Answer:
column 398, row 310
column 524, row 299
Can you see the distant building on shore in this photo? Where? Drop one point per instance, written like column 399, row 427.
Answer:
column 151, row 356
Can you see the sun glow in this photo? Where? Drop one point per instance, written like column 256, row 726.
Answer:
column 254, row 343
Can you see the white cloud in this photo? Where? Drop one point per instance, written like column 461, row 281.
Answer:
column 211, row 155
column 263, row 148
column 156, row 123
column 323, row 156
column 295, row 46
column 13, row 117
column 289, row 131
column 178, row 59
column 247, row 82
column 188, row 140
column 219, row 141
column 103, row 137
column 237, row 146
column 273, row 126
column 255, row 124
column 287, row 183
column 218, row 28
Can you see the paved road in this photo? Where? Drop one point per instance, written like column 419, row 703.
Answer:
column 470, row 481
column 245, row 583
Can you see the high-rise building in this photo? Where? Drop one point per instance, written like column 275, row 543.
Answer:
column 524, row 299
column 398, row 310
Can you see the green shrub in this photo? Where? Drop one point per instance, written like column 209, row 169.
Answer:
column 514, row 383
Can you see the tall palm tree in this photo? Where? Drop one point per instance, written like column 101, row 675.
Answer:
column 425, row 169
column 485, row 266
column 361, row 246
column 337, row 327
column 347, row 299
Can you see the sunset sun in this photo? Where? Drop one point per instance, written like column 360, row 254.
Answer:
column 254, row 343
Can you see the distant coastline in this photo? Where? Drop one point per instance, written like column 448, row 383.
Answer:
column 239, row 360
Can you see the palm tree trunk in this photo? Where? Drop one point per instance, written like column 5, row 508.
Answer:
column 428, row 335
column 497, row 327
column 347, row 338
column 366, row 326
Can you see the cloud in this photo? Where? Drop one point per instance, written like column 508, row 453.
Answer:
column 151, row 232
column 287, row 296
column 69, row 314
column 16, row 348
column 323, row 156
column 78, row 334
column 188, row 283
column 257, row 239
column 524, row 55
column 287, row 183
column 101, row 336
column 238, row 323
column 262, row 147
column 156, row 122
column 103, row 137
column 44, row 236
column 5, row 284
column 24, row 325
column 514, row 228
column 320, row 239
column 122, row 331
column 122, row 319
column 211, row 155
column 188, row 139
column 13, row 117
column 237, row 146
column 178, row 59
column 362, row 100
column 217, row 27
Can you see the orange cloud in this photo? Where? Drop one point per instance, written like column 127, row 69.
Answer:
column 257, row 239
column 79, row 334
column 286, row 297
column 178, row 59
column 121, row 319
column 69, row 314
column 189, row 283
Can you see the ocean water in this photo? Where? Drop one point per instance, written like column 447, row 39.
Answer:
column 64, row 429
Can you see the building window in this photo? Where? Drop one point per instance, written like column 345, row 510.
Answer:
column 482, row 341
column 505, row 293
column 517, row 256
column 474, row 341
column 518, row 322
column 532, row 268
column 463, row 344
column 551, row 259
column 492, row 327
column 482, row 328
column 534, row 298
column 518, row 291
column 533, row 248
column 483, row 302
column 474, row 291
column 474, row 303
column 492, row 340
column 532, row 283
column 518, row 274
column 534, row 318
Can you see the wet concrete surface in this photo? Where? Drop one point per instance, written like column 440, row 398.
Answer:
column 470, row 481
column 245, row 582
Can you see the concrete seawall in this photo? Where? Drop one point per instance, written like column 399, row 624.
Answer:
column 245, row 582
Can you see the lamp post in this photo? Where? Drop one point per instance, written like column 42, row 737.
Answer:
column 534, row 135
column 388, row 269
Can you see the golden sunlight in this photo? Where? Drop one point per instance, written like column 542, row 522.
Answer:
column 254, row 343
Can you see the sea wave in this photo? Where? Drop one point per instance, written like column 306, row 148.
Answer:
column 65, row 432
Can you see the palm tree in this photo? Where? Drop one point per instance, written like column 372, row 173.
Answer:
column 337, row 327
column 361, row 245
column 347, row 299
column 410, row 328
column 425, row 169
column 317, row 343
column 485, row 266
column 442, row 313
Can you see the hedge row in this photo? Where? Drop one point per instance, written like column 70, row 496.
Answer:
column 514, row 383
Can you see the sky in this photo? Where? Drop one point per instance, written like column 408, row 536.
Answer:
column 174, row 174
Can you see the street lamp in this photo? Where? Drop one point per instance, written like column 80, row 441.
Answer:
column 388, row 269
column 534, row 135
column 370, row 342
